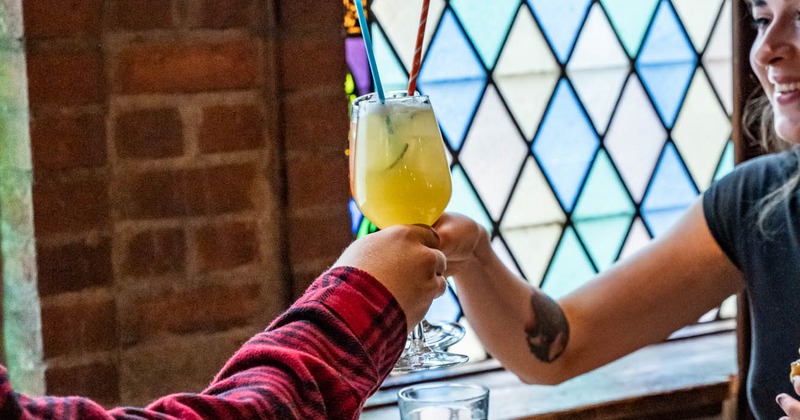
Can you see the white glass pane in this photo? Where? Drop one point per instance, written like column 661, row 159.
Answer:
column 637, row 239
column 728, row 308
column 635, row 138
column 599, row 90
column 527, row 96
column 464, row 201
column 533, row 247
column 597, row 46
column 717, row 58
column 400, row 20
column 598, row 68
column 504, row 256
column 393, row 76
column 533, row 202
column 526, row 49
column 526, row 73
column 702, row 131
column 698, row 18
column 493, row 152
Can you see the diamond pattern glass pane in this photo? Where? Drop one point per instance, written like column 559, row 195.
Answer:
column 494, row 150
column 487, row 24
column 565, row 145
column 666, row 62
column 598, row 68
column 630, row 19
column 560, row 21
column 576, row 130
column 702, row 116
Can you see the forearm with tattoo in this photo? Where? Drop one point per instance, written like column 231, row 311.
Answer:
column 548, row 330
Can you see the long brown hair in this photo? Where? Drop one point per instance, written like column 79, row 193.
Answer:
column 759, row 124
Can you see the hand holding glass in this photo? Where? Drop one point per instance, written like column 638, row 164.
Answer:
column 399, row 175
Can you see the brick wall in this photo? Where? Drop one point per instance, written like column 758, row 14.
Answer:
column 190, row 180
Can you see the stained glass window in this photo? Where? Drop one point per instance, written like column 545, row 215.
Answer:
column 577, row 130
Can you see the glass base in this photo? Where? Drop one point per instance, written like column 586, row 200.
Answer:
column 441, row 335
column 418, row 356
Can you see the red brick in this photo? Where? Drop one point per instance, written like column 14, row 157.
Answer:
column 231, row 128
column 226, row 246
column 70, row 205
column 156, row 252
column 319, row 123
column 65, row 78
column 176, row 364
column 314, row 238
column 302, row 57
column 188, row 67
column 206, row 308
column 197, row 192
column 224, row 14
column 68, row 141
column 149, row 134
column 98, row 381
column 312, row 15
column 138, row 15
column 79, row 328
column 74, row 266
column 62, row 19
column 318, row 180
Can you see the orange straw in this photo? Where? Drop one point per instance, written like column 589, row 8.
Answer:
column 423, row 20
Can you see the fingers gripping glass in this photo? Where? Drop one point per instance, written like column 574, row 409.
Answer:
column 399, row 175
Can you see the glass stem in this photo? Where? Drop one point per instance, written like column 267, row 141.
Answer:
column 417, row 334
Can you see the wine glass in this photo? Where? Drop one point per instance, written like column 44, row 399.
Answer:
column 399, row 175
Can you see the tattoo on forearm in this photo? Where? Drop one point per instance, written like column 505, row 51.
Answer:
column 548, row 330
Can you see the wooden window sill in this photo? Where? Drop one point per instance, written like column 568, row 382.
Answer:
column 683, row 379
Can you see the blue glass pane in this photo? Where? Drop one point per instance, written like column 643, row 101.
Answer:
column 444, row 308
column 454, row 103
column 630, row 19
column 560, row 21
column 667, row 85
column 359, row 66
column 726, row 162
column 660, row 221
column 355, row 215
column 454, row 78
column 604, row 193
column 570, row 268
column 487, row 23
column 671, row 190
column 450, row 57
column 604, row 237
column 465, row 201
column 393, row 75
column 565, row 145
column 666, row 42
column 666, row 63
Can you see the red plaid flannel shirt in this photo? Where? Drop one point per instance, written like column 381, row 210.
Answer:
column 321, row 359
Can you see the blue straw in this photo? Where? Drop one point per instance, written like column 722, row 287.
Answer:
column 362, row 19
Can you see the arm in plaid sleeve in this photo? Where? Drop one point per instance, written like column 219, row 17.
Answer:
column 321, row 359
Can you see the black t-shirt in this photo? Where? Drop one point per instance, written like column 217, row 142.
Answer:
column 770, row 261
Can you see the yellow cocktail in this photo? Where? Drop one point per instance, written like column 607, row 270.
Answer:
column 399, row 175
column 400, row 172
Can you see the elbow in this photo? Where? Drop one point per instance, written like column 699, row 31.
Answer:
column 537, row 378
column 553, row 373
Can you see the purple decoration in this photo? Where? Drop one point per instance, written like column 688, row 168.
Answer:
column 359, row 66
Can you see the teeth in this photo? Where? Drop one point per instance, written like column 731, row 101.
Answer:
column 786, row 87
